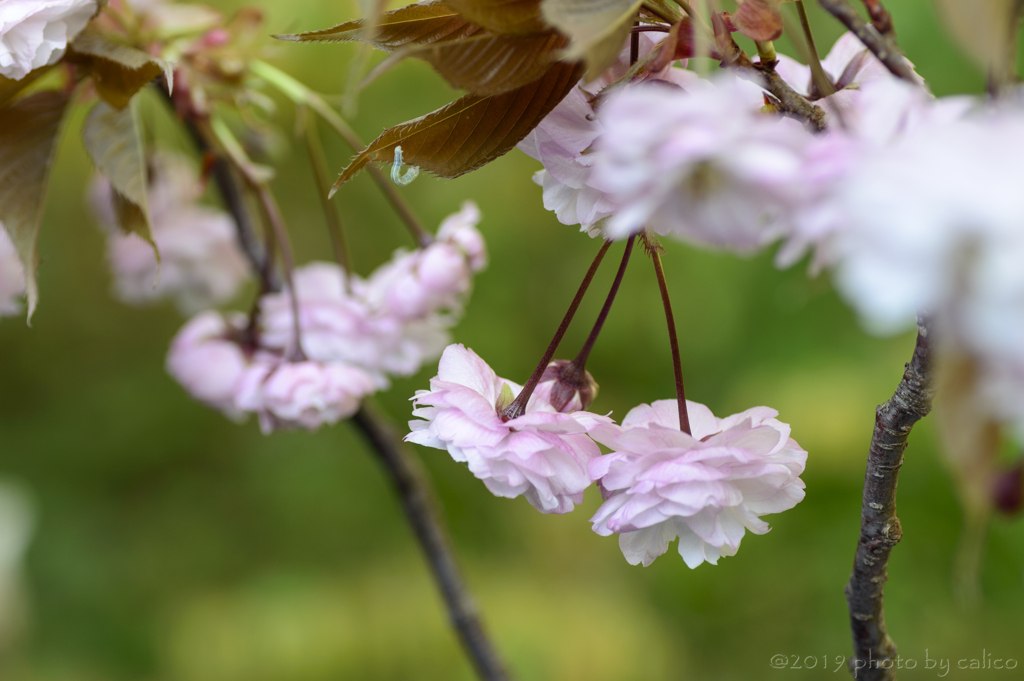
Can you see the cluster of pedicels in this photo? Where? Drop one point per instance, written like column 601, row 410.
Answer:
column 907, row 198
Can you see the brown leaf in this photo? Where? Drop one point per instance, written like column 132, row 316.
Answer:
column 9, row 89
column 759, row 19
column 466, row 55
column 472, row 130
column 509, row 17
column 29, row 129
column 413, row 25
column 488, row 64
column 118, row 71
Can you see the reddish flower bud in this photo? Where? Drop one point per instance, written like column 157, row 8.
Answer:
column 568, row 388
column 1008, row 490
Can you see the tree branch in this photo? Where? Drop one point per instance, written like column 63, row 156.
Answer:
column 791, row 102
column 880, row 528
column 421, row 511
column 881, row 45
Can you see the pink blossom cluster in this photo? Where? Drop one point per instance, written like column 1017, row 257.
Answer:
column 352, row 333
column 200, row 263
column 707, row 487
column 12, row 277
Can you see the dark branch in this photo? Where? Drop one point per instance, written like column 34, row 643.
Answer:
column 880, row 44
column 421, row 511
column 879, row 527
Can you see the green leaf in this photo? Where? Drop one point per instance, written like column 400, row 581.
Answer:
column 114, row 141
column 29, row 129
column 118, row 71
column 598, row 28
column 507, row 17
column 471, row 131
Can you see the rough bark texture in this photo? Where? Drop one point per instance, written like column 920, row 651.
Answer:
column 880, row 44
column 879, row 527
column 420, row 510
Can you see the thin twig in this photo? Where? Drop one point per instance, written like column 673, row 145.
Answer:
column 881, row 45
column 280, row 232
column 230, row 192
column 791, row 102
column 421, row 511
column 323, row 185
column 880, row 529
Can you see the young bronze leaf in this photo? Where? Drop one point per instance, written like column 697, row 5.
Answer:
column 598, row 28
column 29, row 129
column 488, row 64
column 471, row 131
column 509, row 17
column 118, row 71
column 114, row 142
column 759, row 19
column 413, row 25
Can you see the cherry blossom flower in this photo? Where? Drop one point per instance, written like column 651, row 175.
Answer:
column 35, row 33
column 563, row 139
column 392, row 322
column 707, row 488
column 886, row 110
column 541, row 455
column 12, row 277
column 340, row 326
column 200, row 264
column 704, row 165
column 437, row 278
column 207, row 359
column 302, row 394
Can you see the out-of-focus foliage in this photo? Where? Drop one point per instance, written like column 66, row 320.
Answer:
column 173, row 545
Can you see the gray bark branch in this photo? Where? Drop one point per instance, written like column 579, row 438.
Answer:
column 425, row 519
column 880, row 529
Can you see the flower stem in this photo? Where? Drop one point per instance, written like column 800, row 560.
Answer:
column 677, row 364
column 518, row 405
column 280, row 232
column 323, row 185
column 300, row 94
column 821, row 81
column 580, row 363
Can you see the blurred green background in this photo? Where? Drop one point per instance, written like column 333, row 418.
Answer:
column 173, row 545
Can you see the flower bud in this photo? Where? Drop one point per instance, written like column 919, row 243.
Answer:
column 1008, row 490
column 567, row 387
